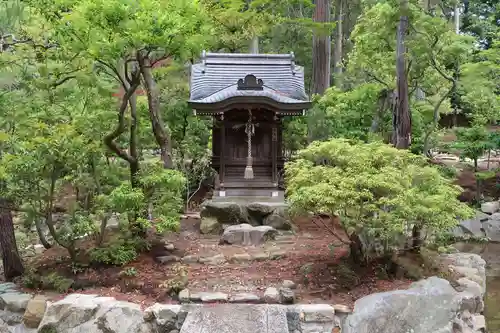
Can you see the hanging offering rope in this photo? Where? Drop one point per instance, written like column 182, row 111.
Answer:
column 249, row 130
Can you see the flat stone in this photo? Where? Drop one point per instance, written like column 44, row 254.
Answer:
column 195, row 297
column 214, row 260
column 240, row 257
column 210, row 225
column 271, row 295
column 244, row 298
column 287, row 296
column 7, row 287
column 340, row 308
column 479, row 322
column 190, row 259
column 260, row 256
column 260, row 209
column 289, row 284
column 490, row 207
column 468, row 272
column 428, row 305
column 34, row 311
column 11, row 318
column 225, row 212
column 167, row 259
column 163, row 316
column 39, row 248
column 4, row 328
column 317, row 313
column 278, row 222
column 470, row 286
column 472, row 227
column 169, row 247
column 88, row 313
column 240, row 318
column 247, row 235
column 492, row 230
column 184, row 295
column 207, row 297
column 14, row 302
column 277, row 254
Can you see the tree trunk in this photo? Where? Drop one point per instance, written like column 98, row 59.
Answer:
column 401, row 119
column 12, row 264
column 41, row 235
column 339, row 37
column 321, row 49
column 161, row 133
column 416, row 234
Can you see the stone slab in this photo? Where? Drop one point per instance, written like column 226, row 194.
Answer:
column 241, row 318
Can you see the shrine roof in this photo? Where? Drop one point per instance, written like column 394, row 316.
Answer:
column 258, row 78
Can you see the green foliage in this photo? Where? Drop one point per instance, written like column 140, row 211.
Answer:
column 179, row 280
column 119, row 252
column 52, row 281
column 376, row 189
column 129, row 272
column 472, row 142
column 348, row 114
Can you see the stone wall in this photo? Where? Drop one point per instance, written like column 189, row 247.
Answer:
column 432, row 305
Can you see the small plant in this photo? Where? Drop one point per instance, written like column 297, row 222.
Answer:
column 331, row 248
column 346, row 277
column 56, row 282
column 178, row 282
column 306, row 271
column 77, row 268
column 120, row 252
column 31, row 279
column 129, row 272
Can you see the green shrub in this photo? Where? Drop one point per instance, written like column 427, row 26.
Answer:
column 56, row 282
column 120, row 252
column 129, row 272
column 379, row 192
column 53, row 281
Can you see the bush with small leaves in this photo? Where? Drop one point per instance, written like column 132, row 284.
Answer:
column 120, row 252
column 380, row 193
column 178, row 282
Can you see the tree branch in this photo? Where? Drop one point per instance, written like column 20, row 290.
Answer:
column 373, row 77
column 434, row 122
column 109, row 139
column 115, row 71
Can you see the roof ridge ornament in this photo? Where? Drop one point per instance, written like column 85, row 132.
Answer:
column 250, row 82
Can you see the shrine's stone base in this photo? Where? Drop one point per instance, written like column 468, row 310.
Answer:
column 218, row 214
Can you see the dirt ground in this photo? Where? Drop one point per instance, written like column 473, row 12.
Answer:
column 311, row 258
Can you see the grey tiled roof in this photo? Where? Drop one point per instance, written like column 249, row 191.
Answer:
column 215, row 79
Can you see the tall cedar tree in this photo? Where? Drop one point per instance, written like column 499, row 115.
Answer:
column 321, row 49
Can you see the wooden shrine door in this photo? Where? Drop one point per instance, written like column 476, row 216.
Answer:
column 236, row 153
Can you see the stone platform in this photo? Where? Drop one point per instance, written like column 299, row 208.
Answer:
column 216, row 215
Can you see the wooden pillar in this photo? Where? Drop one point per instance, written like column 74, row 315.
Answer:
column 222, row 160
column 274, row 148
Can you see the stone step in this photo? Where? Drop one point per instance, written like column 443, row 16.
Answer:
column 240, row 318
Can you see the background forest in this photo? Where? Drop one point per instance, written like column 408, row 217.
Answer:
column 94, row 119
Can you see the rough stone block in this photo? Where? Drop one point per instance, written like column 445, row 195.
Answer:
column 14, row 302
column 322, row 313
column 490, row 207
column 271, row 295
column 214, row 297
column 241, row 318
column 247, row 235
column 34, row 311
column 244, row 298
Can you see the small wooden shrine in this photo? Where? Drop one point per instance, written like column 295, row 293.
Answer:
column 248, row 95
